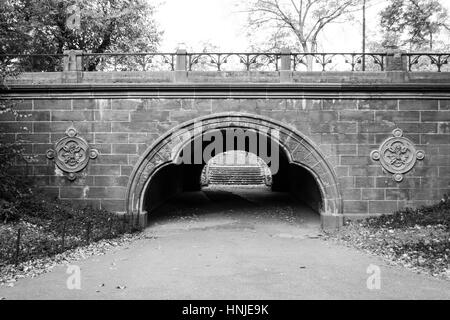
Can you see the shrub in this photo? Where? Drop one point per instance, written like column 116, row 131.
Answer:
column 8, row 211
column 49, row 227
column 438, row 214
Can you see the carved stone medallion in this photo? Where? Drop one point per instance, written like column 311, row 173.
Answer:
column 397, row 155
column 72, row 153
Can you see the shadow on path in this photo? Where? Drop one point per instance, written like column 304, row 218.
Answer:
column 231, row 244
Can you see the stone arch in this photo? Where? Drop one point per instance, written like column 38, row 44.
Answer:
column 296, row 146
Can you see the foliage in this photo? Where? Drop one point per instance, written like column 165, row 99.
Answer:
column 413, row 24
column 438, row 214
column 49, row 227
column 12, row 185
column 46, row 27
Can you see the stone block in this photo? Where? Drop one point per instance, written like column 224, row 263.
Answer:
column 107, row 192
column 124, row 148
column 112, row 159
column 357, row 207
column 397, row 116
column 365, row 182
column 410, row 105
column 152, row 115
column 112, row 116
column 43, row 104
column 435, row 116
column 72, row 116
column 111, row 138
column 113, row 181
column 104, row 170
column 71, row 192
column 435, row 138
column 356, row 115
column 351, row 194
column 382, row 207
column 372, row 194
column 339, row 104
column 378, row 104
column 331, row 222
column 117, row 206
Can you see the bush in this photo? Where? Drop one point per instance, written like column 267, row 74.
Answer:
column 438, row 214
column 8, row 211
column 49, row 227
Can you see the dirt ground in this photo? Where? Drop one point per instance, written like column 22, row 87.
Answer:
column 232, row 243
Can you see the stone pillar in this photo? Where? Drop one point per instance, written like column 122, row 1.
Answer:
column 331, row 222
column 142, row 220
column 396, row 65
column 181, row 66
column 285, row 66
column 73, row 60
column 73, row 66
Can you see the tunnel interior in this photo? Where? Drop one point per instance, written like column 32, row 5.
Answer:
column 184, row 176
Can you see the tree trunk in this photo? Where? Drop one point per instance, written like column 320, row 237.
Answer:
column 431, row 41
column 309, row 58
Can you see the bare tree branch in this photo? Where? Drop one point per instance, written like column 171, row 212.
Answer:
column 306, row 19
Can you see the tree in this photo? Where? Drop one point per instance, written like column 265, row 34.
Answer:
column 12, row 185
column 413, row 23
column 299, row 22
column 32, row 27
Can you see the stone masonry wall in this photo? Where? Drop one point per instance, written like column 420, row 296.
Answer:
column 346, row 131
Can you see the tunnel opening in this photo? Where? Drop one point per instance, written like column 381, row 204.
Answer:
column 236, row 168
column 169, row 168
column 187, row 187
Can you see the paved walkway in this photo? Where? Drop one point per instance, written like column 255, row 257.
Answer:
column 245, row 244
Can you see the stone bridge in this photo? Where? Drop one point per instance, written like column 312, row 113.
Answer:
column 351, row 144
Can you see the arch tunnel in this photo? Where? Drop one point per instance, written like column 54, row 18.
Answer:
column 174, row 164
column 176, row 178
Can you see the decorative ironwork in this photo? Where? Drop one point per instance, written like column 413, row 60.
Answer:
column 72, row 153
column 397, row 155
column 427, row 61
column 218, row 61
column 128, row 61
column 271, row 61
column 249, row 61
column 338, row 61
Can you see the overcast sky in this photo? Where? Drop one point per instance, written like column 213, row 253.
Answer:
column 218, row 22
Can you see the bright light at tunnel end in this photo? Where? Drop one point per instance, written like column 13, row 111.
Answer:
column 207, row 144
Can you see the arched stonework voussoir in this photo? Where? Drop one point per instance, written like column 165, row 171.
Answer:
column 295, row 145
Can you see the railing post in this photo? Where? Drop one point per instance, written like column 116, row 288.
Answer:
column 73, row 65
column 73, row 60
column 396, row 64
column 285, row 66
column 181, row 65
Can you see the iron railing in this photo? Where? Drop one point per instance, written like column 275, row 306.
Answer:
column 244, row 61
column 428, row 61
column 231, row 61
column 297, row 61
column 339, row 61
column 128, row 61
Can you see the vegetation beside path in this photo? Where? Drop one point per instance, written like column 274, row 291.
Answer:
column 418, row 239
